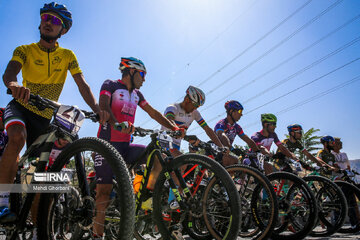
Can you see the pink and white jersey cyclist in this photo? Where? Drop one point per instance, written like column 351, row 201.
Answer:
column 123, row 106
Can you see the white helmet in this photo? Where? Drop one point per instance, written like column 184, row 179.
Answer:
column 196, row 95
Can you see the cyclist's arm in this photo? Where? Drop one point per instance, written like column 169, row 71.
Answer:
column 250, row 143
column 223, row 138
column 104, row 103
column 157, row 116
column 10, row 81
column 285, row 151
column 318, row 161
column 211, row 134
column 89, row 98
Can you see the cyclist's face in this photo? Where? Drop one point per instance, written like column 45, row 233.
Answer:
column 190, row 106
column 48, row 28
column 236, row 114
column 139, row 79
column 297, row 135
column 271, row 127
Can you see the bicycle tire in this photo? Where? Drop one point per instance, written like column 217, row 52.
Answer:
column 220, row 175
column 120, row 171
column 257, row 202
column 338, row 200
column 299, row 186
column 351, row 207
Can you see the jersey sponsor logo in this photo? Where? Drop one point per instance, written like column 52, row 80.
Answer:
column 39, row 62
column 56, row 60
column 130, row 111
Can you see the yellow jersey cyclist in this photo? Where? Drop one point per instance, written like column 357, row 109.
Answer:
column 44, row 67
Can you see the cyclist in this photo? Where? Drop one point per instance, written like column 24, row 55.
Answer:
column 341, row 159
column 3, row 134
column 293, row 143
column 120, row 98
column 325, row 154
column 266, row 137
column 44, row 67
column 184, row 113
column 227, row 129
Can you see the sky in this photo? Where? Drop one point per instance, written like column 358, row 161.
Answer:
column 298, row 59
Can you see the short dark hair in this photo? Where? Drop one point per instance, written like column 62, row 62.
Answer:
column 125, row 72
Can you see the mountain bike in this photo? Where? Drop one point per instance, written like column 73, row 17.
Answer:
column 297, row 204
column 77, row 213
column 222, row 201
column 330, row 199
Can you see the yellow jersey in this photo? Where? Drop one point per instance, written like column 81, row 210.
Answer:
column 44, row 71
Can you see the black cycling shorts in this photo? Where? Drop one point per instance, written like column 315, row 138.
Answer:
column 35, row 125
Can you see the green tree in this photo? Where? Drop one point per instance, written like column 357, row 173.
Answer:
column 310, row 141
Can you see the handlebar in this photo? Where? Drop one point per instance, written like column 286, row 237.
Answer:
column 42, row 103
column 141, row 132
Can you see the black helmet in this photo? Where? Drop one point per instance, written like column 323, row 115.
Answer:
column 59, row 9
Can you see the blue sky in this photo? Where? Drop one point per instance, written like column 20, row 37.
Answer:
column 253, row 51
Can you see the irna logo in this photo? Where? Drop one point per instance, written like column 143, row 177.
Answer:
column 52, row 177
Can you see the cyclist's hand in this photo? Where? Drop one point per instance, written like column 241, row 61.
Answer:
column 104, row 116
column 19, row 92
column 125, row 127
column 181, row 130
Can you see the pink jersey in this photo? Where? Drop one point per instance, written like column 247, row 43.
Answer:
column 123, row 105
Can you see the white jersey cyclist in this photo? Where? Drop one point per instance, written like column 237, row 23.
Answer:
column 182, row 119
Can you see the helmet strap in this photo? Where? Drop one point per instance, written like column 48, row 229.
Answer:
column 132, row 81
column 230, row 114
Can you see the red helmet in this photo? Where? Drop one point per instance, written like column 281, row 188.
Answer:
column 91, row 175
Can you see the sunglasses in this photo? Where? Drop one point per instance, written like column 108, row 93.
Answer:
column 196, row 105
column 273, row 124
column 142, row 74
column 54, row 20
column 240, row 111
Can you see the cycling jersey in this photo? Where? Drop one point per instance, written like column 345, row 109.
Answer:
column 182, row 119
column 266, row 142
column 3, row 141
column 327, row 157
column 230, row 130
column 44, row 71
column 341, row 159
column 123, row 106
column 292, row 147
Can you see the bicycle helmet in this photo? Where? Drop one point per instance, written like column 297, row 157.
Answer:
column 268, row 117
column 294, row 128
column 60, row 10
column 131, row 62
column 196, row 95
column 91, row 175
column 233, row 105
column 327, row 139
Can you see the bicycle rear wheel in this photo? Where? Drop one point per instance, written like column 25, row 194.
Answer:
column 331, row 204
column 219, row 205
column 297, row 206
column 79, row 214
column 352, row 194
column 258, row 202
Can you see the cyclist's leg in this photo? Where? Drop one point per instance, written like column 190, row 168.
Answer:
column 228, row 160
column 103, row 189
column 154, row 174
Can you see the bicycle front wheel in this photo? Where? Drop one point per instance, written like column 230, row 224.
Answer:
column 77, row 215
column 218, row 206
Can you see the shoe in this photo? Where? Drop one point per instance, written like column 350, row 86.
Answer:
column 6, row 216
column 174, row 205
